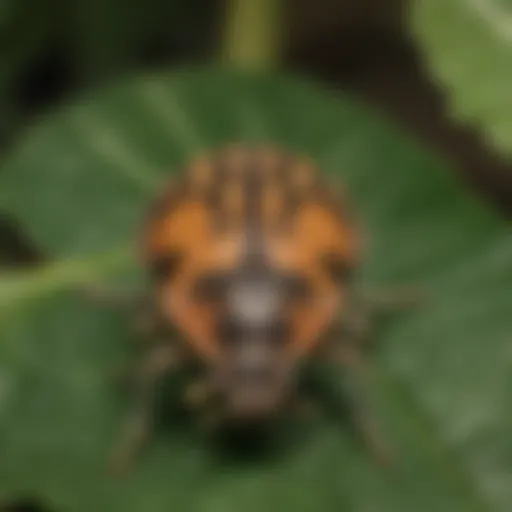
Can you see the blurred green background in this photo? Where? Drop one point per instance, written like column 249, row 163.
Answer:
column 407, row 103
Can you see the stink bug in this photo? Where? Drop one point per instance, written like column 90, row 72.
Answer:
column 251, row 257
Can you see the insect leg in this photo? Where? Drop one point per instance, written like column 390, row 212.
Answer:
column 144, row 317
column 358, row 323
column 346, row 350
column 350, row 358
column 159, row 361
column 393, row 299
column 111, row 297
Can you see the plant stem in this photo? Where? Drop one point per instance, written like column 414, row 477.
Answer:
column 252, row 34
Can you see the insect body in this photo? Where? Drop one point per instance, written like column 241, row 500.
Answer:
column 251, row 257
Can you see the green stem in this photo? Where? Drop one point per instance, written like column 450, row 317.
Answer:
column 41, row 281
column 252, row 34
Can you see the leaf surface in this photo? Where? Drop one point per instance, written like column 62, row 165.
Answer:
column 79, row 184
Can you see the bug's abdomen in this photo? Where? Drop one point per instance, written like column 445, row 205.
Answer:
column 242, row 198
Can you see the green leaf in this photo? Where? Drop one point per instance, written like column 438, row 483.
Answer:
column 469, row 47
column 441, row 382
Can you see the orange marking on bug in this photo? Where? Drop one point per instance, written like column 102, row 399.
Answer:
column 316, row 232
column 317, row 228
column 195, row 321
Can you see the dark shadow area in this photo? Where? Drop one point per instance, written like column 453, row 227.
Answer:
column 16, row 250
column 387, row 68
column 322, row 396
column 46, row 80
column 252, row 444
column 85, row 47
column 27, row 504
column 229, row 443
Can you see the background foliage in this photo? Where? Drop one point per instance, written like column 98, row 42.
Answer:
column 469, row 44
column 76, row 183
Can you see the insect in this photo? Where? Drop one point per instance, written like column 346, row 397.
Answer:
column 251, row 257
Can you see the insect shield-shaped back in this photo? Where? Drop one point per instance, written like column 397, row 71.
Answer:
column 249, row 253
